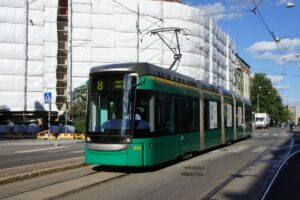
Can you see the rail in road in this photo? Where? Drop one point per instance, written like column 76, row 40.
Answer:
column 90, row 176
column 229, row 184
column 84, row 178
column 267, row 191
column 284, row 184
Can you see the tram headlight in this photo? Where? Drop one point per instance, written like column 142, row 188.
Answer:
column 126, row 140
column 88, row 139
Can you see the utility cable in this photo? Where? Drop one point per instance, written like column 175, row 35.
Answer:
column 150, row 45
column 274, row 73
column 256, row 5
column 220, row 13
column 144, row 16
column 290, row 36
column 133, row 11
column 258, row 14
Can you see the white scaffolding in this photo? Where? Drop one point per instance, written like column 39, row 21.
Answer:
column 102, row 32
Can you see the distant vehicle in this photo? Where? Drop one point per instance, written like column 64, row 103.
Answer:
column 292, row 125
column 262, row 120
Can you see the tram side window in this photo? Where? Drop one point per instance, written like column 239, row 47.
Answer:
column 187, row 114
column 164, row 113
column 248, row 115
column 239, row 114
column 228, row 116
column 211, row 115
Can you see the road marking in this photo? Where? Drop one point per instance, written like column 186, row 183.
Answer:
column 239, row 149
column 78, row 151
column 260, row 149
column 275, row 134
column 265, row 134
column 255, row 134
column 43, row 149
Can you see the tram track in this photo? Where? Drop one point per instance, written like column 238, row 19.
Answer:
column 44, row 186
column 267, row 151
column 68, row 182
column 285, row 159
column 104, row 172
column 82, row 188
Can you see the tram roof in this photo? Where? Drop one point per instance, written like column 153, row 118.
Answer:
column 150, row 69
column 145, row 69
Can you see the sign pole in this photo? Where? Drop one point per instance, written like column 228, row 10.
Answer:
column 49, row 124
column 47, row 99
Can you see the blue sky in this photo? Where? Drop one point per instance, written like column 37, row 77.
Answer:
column 254, row 42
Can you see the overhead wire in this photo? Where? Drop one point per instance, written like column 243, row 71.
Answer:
column 290, row 36
column 274, row 73
column 220, row 13
column 276, row 39
column 156, row 23
column 255, row 10
column 149, row 45
column 257, row 5
column 258, row 14
column 144, row 16
column 133, row 11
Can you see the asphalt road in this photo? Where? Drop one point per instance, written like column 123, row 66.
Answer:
column 285, row 185
column 225, row 173
column 239, row 171
column 15, row 153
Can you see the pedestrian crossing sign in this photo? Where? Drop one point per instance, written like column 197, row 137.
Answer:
column 47, row 97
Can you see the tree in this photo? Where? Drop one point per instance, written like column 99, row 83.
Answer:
column 78, row 108
column 266, row 99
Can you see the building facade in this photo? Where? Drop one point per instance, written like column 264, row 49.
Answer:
column 294, row 113
column 57, row 42
column 243, row 82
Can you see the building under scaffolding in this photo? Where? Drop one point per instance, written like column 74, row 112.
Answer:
column 50, row 45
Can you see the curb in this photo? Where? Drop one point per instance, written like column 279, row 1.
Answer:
column 41, row 172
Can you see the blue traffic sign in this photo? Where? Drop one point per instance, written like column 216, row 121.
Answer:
column 47, row 97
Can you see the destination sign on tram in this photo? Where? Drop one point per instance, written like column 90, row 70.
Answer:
column 107, row 84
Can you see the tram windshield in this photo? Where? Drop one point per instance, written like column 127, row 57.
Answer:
column 111, row 103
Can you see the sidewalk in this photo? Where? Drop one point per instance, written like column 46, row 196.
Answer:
column 10, row 175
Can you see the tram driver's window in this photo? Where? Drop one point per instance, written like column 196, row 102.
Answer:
column 144, row 107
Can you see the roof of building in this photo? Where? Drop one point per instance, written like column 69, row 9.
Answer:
column 242, row 60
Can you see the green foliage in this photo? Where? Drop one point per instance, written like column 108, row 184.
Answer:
column 79, row 125
column 269, row 99
column 78, row 108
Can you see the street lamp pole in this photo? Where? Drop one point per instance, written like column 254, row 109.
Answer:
column 258, row 99
column 257, row 103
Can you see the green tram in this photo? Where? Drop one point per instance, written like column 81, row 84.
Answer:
column 174, row 116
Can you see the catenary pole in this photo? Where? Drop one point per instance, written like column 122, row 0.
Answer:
column 138, row 34
column 26, row 60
